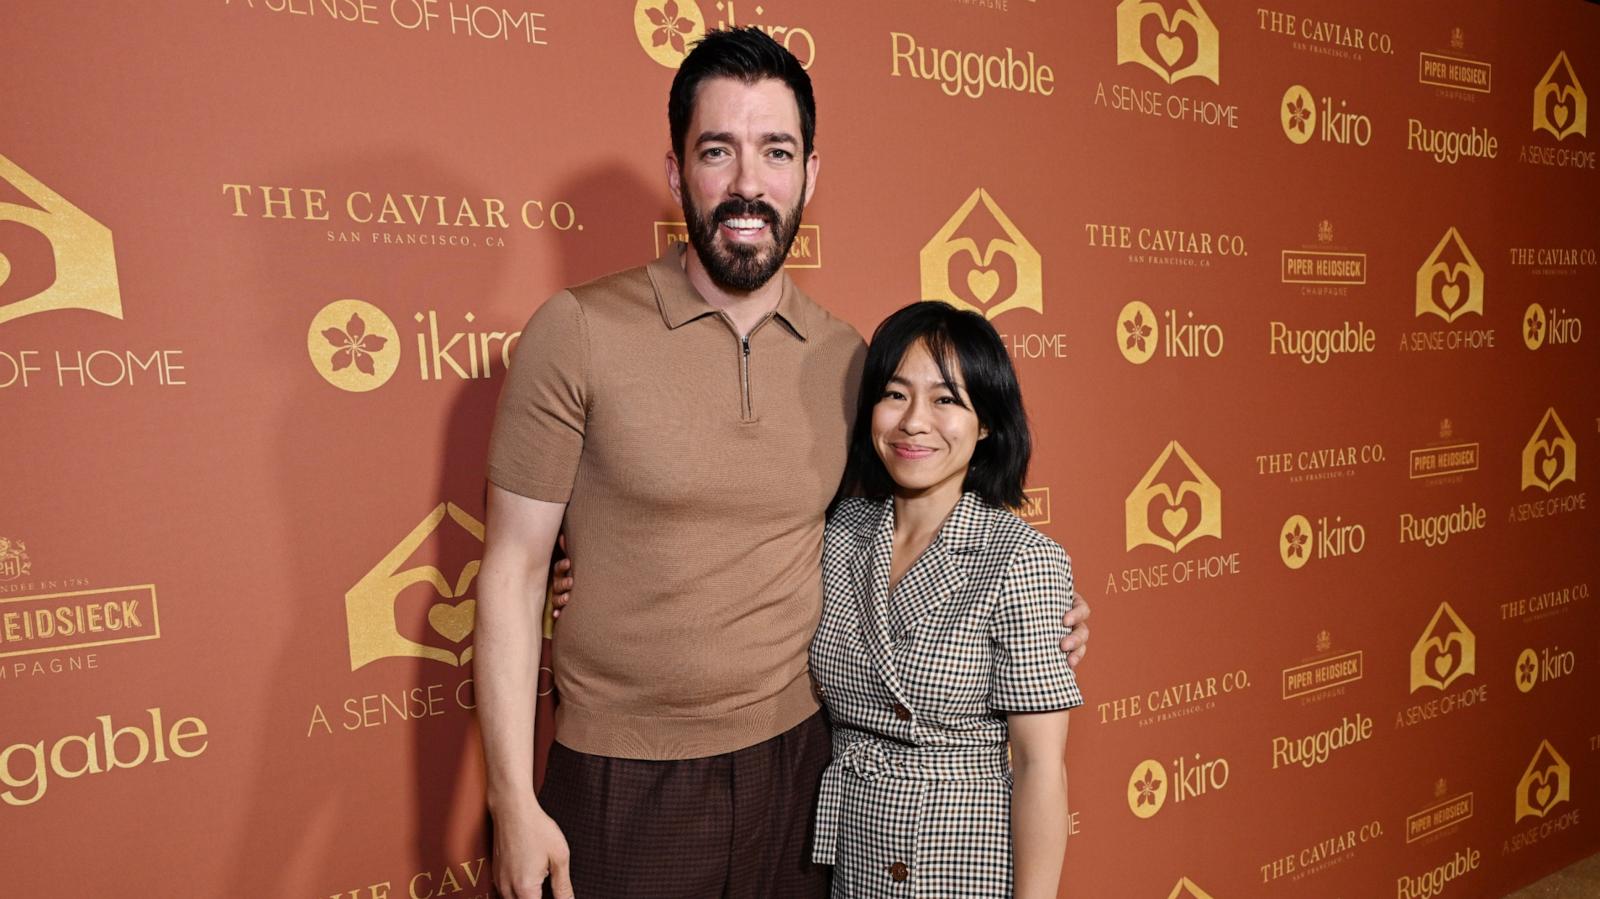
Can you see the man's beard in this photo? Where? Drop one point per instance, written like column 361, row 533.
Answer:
column 737, row 266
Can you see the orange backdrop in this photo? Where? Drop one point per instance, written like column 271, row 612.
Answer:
column 1297, row 293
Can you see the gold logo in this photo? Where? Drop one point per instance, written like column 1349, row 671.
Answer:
column 1559, row 103
column 1298, row 114
column 1446, row 650
column 85, row 262
column 353, row 345
column 1175, row 504
column 1187, row 889
column 1527, row 670
column 953, row 269
column 1550, row 456
column 14, row 561
column 1294, row 542
column 1147, row 788
column 1137, row 332
column 666, row 29
column 1545, row 784
column 1173, row 38
column 370, row 605
column 1533, row 326
column 1035, row 508
column 1450, row 281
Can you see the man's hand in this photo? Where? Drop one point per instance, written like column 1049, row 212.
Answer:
column 1076, row 643
column 527, row 848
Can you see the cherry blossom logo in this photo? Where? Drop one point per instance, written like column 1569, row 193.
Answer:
column 1293, row 542
column 1533, row 327
column 353, row 345
column 667, row 29
column 1147, row 788
column 1137, row 332
column 1527, row 670
column 1298, row 114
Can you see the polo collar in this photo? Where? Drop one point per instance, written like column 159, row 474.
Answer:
column 680, row 303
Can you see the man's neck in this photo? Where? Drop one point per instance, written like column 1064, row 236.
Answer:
column 744, row 309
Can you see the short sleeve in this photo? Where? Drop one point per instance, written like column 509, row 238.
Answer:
column 539, row 425
column 1028, row 670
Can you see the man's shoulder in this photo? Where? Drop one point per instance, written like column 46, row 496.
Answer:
column 628, row 283
column 828, row 329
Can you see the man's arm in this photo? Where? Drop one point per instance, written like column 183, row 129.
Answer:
column 516, row 562
column 1076, row 643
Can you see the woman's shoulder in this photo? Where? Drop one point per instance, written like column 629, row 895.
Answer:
column 1010, row 534
column 851, row 514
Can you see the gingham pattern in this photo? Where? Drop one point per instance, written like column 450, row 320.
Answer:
column 971, row 632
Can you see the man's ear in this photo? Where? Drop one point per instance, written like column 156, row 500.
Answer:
column 813, row 166
column 674, row 177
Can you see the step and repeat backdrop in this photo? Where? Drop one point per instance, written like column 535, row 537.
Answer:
column 1298, row 293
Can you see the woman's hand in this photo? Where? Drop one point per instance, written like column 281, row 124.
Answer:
column 561, row 579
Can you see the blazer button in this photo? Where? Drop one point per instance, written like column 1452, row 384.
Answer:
column 899, row 872
column 901, row 712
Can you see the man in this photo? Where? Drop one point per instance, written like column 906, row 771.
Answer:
column 685, row 424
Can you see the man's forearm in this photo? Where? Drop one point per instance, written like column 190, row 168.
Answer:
column 507, row 650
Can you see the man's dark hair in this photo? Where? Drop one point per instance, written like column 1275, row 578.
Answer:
column 749, row 55
column 1000, row 461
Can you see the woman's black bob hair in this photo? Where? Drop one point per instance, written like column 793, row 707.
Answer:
column 1000, row 461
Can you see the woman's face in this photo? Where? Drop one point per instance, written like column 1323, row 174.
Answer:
column 924, row 433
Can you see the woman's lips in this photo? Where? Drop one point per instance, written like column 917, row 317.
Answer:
column 912, row 453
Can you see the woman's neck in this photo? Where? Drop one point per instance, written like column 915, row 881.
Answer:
column 919, row 515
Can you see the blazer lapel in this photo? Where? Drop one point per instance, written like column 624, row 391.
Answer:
column 940, row 573
column 869, row 574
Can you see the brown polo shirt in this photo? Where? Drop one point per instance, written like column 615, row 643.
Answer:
column 696, row 467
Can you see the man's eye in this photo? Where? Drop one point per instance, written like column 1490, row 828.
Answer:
column 784, row 155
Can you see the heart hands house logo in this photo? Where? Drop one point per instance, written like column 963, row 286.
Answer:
column 1175, row 504
column 1550, row 455
column 1176, row 39
column 1450, row 281
column 1559, row 103
column 957, row 271
column 370, row 606
column 1545, row 784
column 1446, row 651
column 85, row 262
column 1188, row 889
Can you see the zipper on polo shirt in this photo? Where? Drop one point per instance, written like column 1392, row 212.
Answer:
column 747, row 410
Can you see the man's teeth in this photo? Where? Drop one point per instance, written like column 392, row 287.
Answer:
column 744, row 224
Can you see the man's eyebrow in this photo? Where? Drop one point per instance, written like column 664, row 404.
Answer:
column 725, row 137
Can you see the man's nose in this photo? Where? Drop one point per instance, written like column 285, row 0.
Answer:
column 746, row 178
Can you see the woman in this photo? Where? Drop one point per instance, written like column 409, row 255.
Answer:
column 938, row 641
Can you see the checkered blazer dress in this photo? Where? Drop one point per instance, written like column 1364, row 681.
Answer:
column 917, row 799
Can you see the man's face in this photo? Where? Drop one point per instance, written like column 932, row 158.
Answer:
column 742, row 181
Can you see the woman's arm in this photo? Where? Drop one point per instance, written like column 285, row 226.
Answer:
column 1039, row 821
